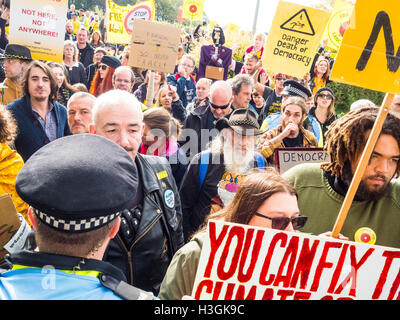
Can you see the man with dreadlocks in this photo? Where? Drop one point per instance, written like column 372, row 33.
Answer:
column 374, row 216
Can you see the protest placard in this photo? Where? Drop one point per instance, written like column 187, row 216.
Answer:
column 193, row 10
column 241, row 262
column 293, row 39
column 154, row 46
column 120, row 19
column 337, row 25
column 286, row 158
column 369, row 61
column 372, row 40
column 40, row 26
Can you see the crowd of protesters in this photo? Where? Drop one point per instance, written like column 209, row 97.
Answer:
column 117, row 169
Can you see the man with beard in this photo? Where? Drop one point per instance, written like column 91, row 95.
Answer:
column 374, row 214
column 212, row 176
column 40, row 118
column 16, row 59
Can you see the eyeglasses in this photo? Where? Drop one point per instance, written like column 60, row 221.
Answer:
column 103, row 67
column 326, row 96
column 280, row 223
column 220, row 107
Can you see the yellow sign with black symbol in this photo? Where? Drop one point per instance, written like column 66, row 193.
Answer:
column 369, row 55
column 294, row 38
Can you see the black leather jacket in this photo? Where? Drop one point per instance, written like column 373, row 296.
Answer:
column 159, row 232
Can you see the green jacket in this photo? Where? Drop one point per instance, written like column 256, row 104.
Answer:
column 181, row 273
column 322, row 204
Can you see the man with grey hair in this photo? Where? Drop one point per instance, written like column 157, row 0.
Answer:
column 242, row 87
column 151, row 231
column 79, row 108
column 199, row 126
column 183, row 80
column 123, row 78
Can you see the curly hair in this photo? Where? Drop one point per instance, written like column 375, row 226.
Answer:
column 8, row 126
column 346, row 138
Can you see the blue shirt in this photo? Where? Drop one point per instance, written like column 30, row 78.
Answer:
column 49, row 124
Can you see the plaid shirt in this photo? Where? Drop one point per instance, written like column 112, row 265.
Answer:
column 267, row 147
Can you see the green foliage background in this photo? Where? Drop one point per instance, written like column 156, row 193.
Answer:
column 347, row 94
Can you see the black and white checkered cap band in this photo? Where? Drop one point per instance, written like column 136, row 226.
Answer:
column 75, row 225
column 296, row 91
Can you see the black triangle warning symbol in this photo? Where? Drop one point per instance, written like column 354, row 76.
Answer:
column 299, row 22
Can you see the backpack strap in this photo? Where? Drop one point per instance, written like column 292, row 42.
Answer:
column 204, row 160
column 261, row 162
column 123, row 289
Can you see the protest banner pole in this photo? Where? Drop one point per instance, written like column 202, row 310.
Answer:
column 362, row 165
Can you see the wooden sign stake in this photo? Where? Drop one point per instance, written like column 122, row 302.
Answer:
column 362, row 165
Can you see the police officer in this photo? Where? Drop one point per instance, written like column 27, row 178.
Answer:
column 77, row 187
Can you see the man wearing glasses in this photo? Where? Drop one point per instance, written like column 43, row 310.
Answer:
column 199, row 127
column 183, row 80
column 16, row 59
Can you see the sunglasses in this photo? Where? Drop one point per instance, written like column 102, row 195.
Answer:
column 220, row 107
column 280, row 223
column 280, row 78
column 326, row 96
column 103, row 67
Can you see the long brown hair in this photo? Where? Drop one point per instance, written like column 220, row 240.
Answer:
column 47, row 70
column 252, row 192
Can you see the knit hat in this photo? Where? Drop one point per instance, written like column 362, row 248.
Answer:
column 243, row 121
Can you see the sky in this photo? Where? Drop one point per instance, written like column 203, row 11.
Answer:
column 242, row 12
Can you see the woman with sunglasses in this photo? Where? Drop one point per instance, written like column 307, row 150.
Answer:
column 321, row 116
column 102, row 81
column 264, row 199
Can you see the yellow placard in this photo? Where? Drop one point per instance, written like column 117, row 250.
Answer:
column 120, row 19
column 294, row 38
column 193, row 10
column 367, row 57
column 337, row 24
column 40, row 26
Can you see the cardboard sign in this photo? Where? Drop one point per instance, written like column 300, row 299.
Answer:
column 286, row 158
column 294, row 38
column 214, row 73
column 371, row 40
column 40, row 26
column 9, row 222
column 240, row 262
column 154, row 46
column 120, row 19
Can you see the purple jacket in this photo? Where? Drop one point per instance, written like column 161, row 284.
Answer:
column 206, row 53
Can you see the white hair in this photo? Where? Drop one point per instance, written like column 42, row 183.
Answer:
column 361, row 103
column 82, row 95
column 115, row 98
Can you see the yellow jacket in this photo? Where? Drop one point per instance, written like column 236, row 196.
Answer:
column 12, row 92
column 10, row 164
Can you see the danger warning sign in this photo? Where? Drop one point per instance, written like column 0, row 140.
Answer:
column 300, row 23
column 294, row 39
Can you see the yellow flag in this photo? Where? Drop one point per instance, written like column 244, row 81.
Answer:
column 120, row 19
column 193, row 10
